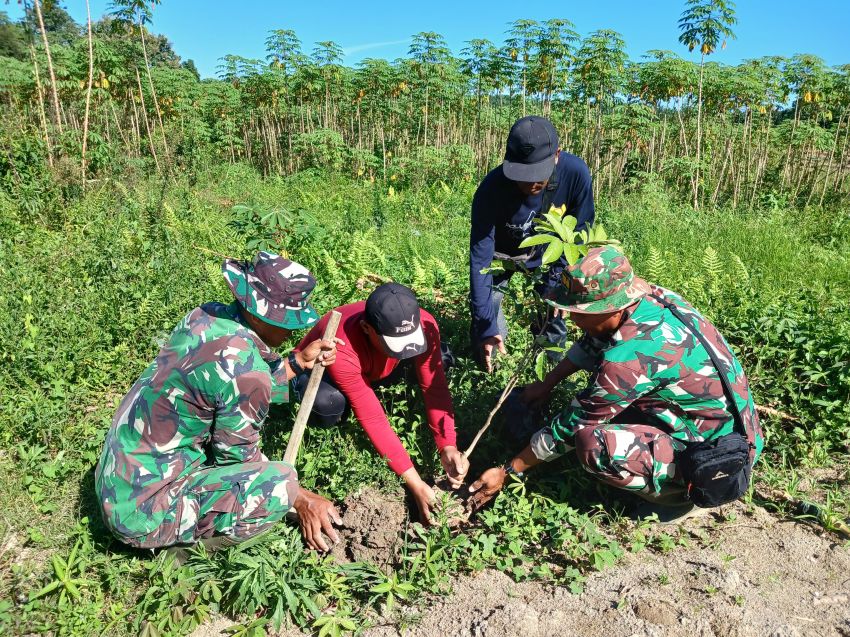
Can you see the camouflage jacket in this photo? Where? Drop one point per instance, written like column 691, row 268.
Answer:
column 202, row 401
column 657, row 369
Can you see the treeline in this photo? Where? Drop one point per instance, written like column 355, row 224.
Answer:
column 94, row 101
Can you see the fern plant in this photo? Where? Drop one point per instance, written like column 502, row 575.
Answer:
column 654, row 264
column 711, row 263
column 740, row 271
column 713, row 268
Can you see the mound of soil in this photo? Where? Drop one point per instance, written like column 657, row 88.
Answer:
column 372, row 527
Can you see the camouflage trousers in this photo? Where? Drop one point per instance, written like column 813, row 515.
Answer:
column 636, row 457
column 238, row 501
column 626, row 454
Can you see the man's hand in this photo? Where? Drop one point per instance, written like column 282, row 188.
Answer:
column 424, row 497
column 315, row 515
column 487, row 487
column 559, row 313
column 488, row 345
column 536, row 394
column 455, row 465
column 323, row 352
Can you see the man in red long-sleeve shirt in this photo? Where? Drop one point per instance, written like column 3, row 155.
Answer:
column 379, row 333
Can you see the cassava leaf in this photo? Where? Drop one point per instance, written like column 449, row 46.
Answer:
column 540, row 366
column 556, row 225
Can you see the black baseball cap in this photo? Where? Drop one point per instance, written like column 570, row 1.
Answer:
column 393, row 310
column 531, row 149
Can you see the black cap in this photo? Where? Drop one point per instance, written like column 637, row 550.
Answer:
column 392, row 309
column 531, row 149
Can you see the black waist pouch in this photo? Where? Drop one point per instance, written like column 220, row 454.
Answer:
column 716, row 471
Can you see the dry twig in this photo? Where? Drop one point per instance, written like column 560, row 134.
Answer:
column 776, row 413
column 213, row 252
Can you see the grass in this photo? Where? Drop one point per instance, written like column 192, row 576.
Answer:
column 87, row 293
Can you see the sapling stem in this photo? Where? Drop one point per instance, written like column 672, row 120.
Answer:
column 776, row 413
column 514, row 379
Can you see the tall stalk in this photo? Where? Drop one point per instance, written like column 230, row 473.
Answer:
column 83, row 165
column 41, row 112
column 699, row 135
column 56, row 110
column 153, row 89
column 147, row 123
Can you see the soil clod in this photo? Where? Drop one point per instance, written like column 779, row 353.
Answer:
column 372, row 527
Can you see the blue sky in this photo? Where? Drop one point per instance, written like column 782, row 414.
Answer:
column 206, row 30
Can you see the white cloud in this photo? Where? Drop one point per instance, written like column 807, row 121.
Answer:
column 357, row 48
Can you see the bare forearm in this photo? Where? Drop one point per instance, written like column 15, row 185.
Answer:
column 563, row 370
column 411, row 476
column 525, row 460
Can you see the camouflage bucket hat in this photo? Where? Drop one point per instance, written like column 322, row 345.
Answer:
column 273, row 289
column 603, row 281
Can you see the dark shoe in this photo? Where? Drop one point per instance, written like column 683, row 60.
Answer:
column 668, row 514
column 181, row 553
column 216, row 542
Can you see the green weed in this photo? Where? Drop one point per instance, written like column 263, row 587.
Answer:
column 87, row 300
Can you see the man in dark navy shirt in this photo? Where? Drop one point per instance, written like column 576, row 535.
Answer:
column 535, row 175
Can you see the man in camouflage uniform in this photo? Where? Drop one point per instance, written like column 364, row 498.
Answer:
column 653, row 386
column 182, row 462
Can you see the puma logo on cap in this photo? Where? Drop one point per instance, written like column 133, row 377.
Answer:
column 406, row 326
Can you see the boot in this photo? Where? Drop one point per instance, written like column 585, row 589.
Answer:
column 211, row 544
column 670, row 505
column 669, row 514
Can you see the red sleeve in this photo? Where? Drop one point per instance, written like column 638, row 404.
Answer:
column 435, row 389
column 368, row 410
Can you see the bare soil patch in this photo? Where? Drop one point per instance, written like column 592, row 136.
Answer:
column 749, row 576
column 756, row 575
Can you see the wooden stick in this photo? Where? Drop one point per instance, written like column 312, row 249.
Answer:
column 213, row 252
column 770, row 411
column 508, row 388
column 804, row 508
column 309, row 395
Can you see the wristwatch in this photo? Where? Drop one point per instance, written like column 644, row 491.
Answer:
column 509, row 470
column 292, row 359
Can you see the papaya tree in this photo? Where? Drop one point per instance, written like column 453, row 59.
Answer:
column 705, row 24
column 430, row 56
column 521, row 47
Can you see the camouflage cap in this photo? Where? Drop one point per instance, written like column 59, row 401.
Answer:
column 601, row 282
column 273, row 289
